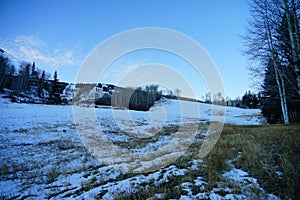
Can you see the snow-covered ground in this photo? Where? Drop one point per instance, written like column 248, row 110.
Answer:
column 43, row 156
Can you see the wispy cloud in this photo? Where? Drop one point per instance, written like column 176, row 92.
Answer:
column 29, row 40
column 36, row 55
column 31, row 48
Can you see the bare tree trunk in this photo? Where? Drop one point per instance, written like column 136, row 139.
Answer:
column 278, row 72
column 284, row 102
column 293, row 38
column 282, row 92
column 264, row 43
column 296, row 27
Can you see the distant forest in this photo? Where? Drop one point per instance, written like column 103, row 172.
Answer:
column 110, row 95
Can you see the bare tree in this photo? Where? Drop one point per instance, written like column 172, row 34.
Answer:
column 208, row 98
column 177, row 92
column 23, row 77
column 290, row 8
column 262, row 43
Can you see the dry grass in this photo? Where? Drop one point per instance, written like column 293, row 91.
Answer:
column 266, row 151
column 269, row 153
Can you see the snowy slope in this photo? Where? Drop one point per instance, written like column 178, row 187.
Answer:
column 26, row 113
column 208, row 112
column 42, row 155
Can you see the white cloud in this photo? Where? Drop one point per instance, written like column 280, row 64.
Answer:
column 36, row 55
column 30, row 48
column 29, row 40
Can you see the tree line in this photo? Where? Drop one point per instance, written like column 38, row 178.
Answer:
column 136, row 99
column 139, row 98
column 131, row 98
column 27, row 80
column 273, row 44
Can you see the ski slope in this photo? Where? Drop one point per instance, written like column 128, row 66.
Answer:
column 42, row 155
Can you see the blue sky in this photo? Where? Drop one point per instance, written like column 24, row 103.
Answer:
column 59, row 34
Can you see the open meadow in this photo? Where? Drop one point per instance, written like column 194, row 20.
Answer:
column 43, row 157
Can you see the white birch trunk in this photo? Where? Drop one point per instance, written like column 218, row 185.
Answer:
column 293, row 38
column 284, row 102
column 278, row 73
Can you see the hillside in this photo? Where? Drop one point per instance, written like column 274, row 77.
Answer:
column 43, row 155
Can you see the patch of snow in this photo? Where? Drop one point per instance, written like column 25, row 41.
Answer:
column 214, row 196
column 279, row 174
column 134, row 184
column 195, row 164
column 186, row 186
column 199, row 181
column 242, row 178
column 237, row 175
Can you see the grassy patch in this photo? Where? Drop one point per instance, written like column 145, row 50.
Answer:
column 4, row 169
column 52, row 174
column 269, row 153
column 90, row 184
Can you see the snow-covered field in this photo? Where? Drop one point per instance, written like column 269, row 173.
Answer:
column 43, row 155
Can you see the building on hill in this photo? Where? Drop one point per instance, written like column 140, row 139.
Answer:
column 56, row 89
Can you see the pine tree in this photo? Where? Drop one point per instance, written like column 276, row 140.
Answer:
column 271, row 104
column 271, row 107
column 55, row 77
column 41, row 83
column 250, row 100
column 54, row 84
column 33, row 68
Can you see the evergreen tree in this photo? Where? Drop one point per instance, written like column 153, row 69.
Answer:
column 33, row 68
column 54, row 84
column 250, row 100
column 271, row 106
column 41, row 83
column 55, row 77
